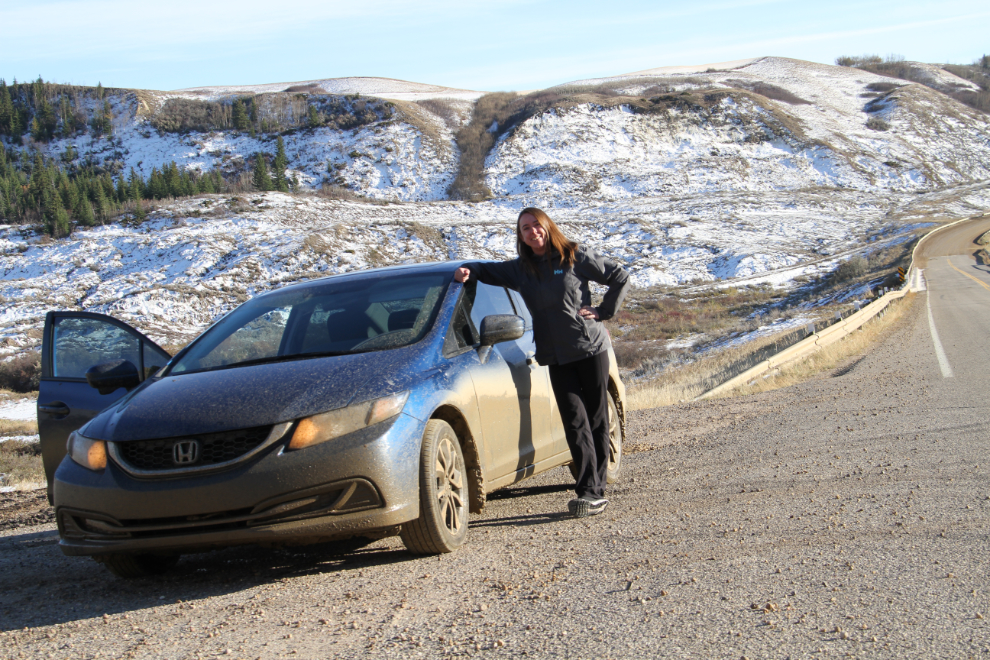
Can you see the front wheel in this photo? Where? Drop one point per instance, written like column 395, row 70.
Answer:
column 614, row 445
column 443, row 494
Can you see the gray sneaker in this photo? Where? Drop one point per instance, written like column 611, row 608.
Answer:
column 587, row 505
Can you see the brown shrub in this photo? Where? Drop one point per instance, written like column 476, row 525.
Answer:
column 474, row 141
column 443, row 108
column 21, row 374
column 769, row 91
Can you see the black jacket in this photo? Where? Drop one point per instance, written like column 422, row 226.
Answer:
column 555, row 298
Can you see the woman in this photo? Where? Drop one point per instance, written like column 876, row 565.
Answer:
column 552, row 274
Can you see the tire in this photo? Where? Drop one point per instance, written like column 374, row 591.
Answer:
column 443, row 494
column 614, row 442
column 614, row 445
column 131, row 567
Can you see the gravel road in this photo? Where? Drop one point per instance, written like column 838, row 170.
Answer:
column 847, row 516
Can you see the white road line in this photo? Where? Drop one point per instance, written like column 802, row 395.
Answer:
column 943, row 362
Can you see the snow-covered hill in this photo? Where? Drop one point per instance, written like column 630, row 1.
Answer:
column 701, row 175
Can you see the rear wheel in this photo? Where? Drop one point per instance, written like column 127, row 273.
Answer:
column 131, row 567
column 614, row 445
column 614, row 442
column 443, row 494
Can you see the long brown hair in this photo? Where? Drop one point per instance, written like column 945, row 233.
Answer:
column 557, row 241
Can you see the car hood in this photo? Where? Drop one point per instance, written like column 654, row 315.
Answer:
column 243, row 397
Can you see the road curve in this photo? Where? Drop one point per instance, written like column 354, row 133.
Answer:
column 848, row 515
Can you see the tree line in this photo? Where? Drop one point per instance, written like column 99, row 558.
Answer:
column 48, row 111
column 58, row 195
column 35, row 189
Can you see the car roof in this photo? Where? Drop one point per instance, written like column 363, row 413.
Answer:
column 428, row 268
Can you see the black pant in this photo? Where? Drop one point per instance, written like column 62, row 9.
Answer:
column 581, row 391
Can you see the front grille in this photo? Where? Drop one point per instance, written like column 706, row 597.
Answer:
column 212, row 448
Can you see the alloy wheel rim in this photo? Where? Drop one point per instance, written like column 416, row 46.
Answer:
column 450, row 487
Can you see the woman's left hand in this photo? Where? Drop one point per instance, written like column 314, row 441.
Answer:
column 588, row 313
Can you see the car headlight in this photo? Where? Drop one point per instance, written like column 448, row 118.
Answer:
column 329, row 425
column 87, row 452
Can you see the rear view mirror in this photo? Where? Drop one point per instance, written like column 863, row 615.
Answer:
column 108, row 376
column 496, row 328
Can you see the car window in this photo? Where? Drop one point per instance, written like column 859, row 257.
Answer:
column 489, row 300
column 258, row 338
column 154, row 359
column 79, row 343
column 521, row 309
column 333, row 316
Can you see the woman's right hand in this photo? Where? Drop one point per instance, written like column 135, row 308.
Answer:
column 462, row 274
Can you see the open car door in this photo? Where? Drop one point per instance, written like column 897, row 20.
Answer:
column 73, row 342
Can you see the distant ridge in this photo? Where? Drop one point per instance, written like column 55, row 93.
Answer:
column 387, row 88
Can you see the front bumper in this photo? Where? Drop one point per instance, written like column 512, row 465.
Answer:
column 363, row 483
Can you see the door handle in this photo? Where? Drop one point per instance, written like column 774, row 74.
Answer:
column 54, row 408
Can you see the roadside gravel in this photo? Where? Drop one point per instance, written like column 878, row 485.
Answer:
column 847, row 516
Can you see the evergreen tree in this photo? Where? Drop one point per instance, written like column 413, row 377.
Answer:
column 135, row 186
column 6, row 110
column 139, row 213
column 122, row 190
column 84, row 212
column 219, row 185
column 205, row 184
column 261, row 179
column 279, row 166
column 101, row 205
column 314, row 116
column 157, row 188
column 240, row 118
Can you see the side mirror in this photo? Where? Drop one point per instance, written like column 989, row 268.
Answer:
column 496, row 328
column 108, row 376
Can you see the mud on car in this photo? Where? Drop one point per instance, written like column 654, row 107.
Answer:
column 357, row 406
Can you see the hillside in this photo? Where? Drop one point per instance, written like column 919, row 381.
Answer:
column 763, row 171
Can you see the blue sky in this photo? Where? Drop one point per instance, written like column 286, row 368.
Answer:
column 504, row 45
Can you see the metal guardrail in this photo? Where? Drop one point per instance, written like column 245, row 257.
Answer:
column 813, row 341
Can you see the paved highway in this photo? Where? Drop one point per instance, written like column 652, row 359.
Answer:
column 847, row 516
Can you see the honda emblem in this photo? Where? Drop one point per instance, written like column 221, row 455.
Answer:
column 185, row 452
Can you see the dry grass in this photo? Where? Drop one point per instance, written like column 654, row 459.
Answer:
column 20, row 464
column 679, row 384
column 830, row 357
column 11, row 395
column 9, row 427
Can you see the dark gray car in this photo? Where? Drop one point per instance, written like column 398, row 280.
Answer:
column 382, row 402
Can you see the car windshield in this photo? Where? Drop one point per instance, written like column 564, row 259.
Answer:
column 334, row 317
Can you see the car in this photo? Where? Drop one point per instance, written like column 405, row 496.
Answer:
column 356, row 406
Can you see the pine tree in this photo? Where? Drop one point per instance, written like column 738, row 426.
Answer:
column 6, row 109
column 101, row 206
column 279, row 166
column 240, row 115
column 205, row 184
column 156, row 185
column 84, row 212
column 135, row 186
column 219, row 184
column 261, row 180
column 121, row 193
column 139, row 213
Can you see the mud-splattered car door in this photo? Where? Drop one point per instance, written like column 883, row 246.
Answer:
column 513, row 396
column 73, row 342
